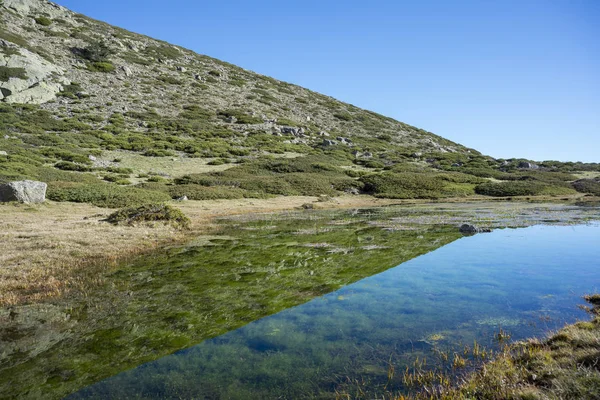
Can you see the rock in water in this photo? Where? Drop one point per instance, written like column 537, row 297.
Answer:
column 466, row 228
column 23, row 191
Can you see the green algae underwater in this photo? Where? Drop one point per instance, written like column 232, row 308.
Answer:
column 247, row 269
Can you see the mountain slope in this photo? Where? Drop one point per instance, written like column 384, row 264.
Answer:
column 106, row 109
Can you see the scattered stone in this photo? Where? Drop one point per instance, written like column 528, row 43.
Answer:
column 352, row 190
column 198, row 77
column 91, row 157
column 290, row 130
column 231, row 119
column 181, row 69
column 328, row 142
column 457, row 165
column 344, row 140
column 23, row 191
column 182, row 198
column 3, row 153
column 126, row 70
column 416, row 155
column 323, row 133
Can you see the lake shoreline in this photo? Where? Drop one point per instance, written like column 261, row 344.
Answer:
column 144, row 307
column 49, row 249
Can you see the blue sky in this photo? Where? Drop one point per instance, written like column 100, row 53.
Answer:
column 508, row 78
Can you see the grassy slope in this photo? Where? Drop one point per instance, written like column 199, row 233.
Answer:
column 176, row 112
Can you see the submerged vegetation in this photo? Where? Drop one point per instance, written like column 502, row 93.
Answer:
column 246, row 269
column 566, row 365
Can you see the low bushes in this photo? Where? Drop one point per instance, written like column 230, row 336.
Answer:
column 101, row 66
column 403, row 185
column 199, row 192
column 103, row 194
column 150, row 213
column 591, row 186
column 520, row 188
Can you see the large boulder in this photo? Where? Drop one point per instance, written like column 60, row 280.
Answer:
column 38, row 80
column 527, row 165
column 23, row 191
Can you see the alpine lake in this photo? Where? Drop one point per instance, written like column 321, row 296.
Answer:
column 308, row 304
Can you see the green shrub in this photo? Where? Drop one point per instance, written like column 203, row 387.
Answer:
column 120, row 170
column 70, row 91
column 44, row 21
column 373, row 164
column 403, row 185
column 101, row 66
column 286, row 122
column 103, row 194
column 96, row 52
column 69, row 166
column 218, row 161
column 171, row 80
column 512, row 188
column 199, row 192
column 240, row 116
column 6, row 73
column 150, row 213
column 343, row 116
column 591, row 186
column 158, row 153
column 157, row 178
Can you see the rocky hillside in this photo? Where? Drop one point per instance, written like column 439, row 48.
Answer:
column 97, row 111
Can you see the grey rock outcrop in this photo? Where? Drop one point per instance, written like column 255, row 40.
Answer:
column 26, row 7
column 527, row 165
column 23, row 191
column 40, row 82
column 344, row 140
column 290, row 130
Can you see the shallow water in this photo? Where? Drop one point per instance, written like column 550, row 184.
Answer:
column 526, row 281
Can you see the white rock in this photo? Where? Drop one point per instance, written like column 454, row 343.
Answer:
column 23, row 191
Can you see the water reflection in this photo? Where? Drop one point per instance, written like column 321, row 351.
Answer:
column 526, row 281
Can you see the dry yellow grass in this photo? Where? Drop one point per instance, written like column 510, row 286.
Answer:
column 48, row 249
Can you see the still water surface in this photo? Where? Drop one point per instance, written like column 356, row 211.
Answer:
column 526, row 281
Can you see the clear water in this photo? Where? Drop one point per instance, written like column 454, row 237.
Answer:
column 526, row 281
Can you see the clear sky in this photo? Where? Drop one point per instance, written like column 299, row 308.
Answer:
column 509, row 78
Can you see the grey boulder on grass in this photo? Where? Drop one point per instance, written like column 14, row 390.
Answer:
column 23, row 191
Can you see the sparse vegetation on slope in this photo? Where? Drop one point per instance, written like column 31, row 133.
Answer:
column 161, row 102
